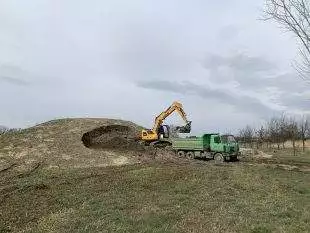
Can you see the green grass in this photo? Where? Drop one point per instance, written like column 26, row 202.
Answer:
column 157, row 198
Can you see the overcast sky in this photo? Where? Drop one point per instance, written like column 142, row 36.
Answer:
column 132, row 59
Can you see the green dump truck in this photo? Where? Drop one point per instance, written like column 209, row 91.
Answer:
column 211, row 146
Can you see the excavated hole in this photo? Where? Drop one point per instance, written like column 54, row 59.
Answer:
column 112, row 137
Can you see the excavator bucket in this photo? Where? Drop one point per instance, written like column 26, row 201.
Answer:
column 185, row 129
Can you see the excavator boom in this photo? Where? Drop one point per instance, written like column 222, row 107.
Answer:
column 153, row 135
column 176, row 106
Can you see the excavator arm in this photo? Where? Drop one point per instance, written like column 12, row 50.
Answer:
column 152, row 135
column 176, row 106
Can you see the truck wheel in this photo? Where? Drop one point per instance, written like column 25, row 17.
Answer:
column 181, row 153
column 219, row 158
column 190, row 155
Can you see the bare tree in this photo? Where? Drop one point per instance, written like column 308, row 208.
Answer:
column 308, row 130
column 283, row 129
column 241, row 137
column 267, row 135
column 228, row 132
column 304, row 130
column 3, row 129
column 279, row 135
column 6, row 130
column 247, row 135
column 292, row 129
column 294, row 16
column 274, row 131
column 260, row 133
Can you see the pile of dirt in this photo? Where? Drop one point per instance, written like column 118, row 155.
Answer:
column 117, row 137
column 57, row 144
column 76, row 143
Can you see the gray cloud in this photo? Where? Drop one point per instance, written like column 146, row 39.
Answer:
column 252, row 72
column 289, row 82
column 14, row 81
column 258, row 75
column 14, row 75
column 229, row 32
column 247, row 104
column 240, row 62
column 295, row 101
column 248, row 72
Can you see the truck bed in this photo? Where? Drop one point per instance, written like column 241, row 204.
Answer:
column 198, row 143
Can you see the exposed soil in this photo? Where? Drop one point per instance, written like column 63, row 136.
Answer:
column 57, row 144
column 117, row 137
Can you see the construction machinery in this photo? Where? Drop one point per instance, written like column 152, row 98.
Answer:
column 211, row 146
column 159, row 135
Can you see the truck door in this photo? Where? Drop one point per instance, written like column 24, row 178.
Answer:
column 216, row 144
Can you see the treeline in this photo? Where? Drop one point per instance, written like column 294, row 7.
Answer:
column 276, row 132
column 4, row 130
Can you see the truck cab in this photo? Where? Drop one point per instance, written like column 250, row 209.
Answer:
column 225, row 144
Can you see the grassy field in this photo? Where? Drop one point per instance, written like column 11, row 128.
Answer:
column 50, row 182
column 158, row 197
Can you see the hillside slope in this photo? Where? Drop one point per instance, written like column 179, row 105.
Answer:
column 58, row 144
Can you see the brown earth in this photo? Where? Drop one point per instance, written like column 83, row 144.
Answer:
column 120, row 137
column 71, row 143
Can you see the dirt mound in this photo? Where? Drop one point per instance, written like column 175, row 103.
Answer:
column 112, row 137
column 75, row 143
column 57, row 144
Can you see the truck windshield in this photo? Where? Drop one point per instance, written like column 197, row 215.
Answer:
column 228, row 139
column 217, row 140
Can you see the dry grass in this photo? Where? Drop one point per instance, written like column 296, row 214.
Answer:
column 289, row 144
column 57, row 144
column 49, row 182
column 197, row 197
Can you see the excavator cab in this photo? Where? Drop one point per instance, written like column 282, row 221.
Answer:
column 164, row 131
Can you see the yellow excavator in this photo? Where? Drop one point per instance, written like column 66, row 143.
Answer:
column 159, row 135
